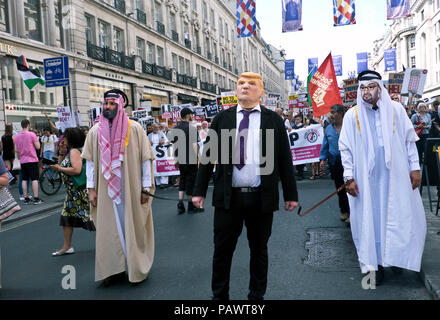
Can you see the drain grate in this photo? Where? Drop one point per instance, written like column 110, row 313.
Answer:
column 331, row 248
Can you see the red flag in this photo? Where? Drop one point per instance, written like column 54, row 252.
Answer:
column 323, row 88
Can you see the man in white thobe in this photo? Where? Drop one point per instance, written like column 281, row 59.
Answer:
column 381, row 166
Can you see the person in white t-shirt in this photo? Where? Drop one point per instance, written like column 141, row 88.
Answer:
column 158, row 137
column 49, row 144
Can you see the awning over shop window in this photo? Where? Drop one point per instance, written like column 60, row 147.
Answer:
column 186, row 97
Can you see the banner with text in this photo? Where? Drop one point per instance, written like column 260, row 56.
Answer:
column 350, row 89
column 290, row 69
column 362, row 61
column 305, row 144
column 390, row 59
column 395, row 81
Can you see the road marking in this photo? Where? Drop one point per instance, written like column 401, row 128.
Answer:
column 26, row 221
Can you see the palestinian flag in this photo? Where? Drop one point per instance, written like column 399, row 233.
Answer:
column 31, row 77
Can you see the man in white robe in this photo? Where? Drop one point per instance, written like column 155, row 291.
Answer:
column 381, row 164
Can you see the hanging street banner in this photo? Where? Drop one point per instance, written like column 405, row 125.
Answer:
column 350, row 89
column 246, row 20
column 290, row 69
column 398, row 9
column 312, row 62
column 395, row 81
column 323, row 88
column 164, row 163
column 362, row 61
column 414, row 82
column 305, row 144
column 337, row 64
column 390, row 60
column 292, row 15
column 344, row 12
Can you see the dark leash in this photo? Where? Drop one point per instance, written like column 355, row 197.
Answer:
column 323, row 200
column 162, row 198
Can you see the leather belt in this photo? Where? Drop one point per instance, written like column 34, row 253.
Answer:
column 246, row 189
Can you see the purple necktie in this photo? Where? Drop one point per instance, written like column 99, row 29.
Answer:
column 241, row 145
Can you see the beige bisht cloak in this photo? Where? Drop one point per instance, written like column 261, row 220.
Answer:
column 139, row 232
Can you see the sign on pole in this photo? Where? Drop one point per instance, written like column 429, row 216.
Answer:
column 305, row 144
column 56, row 72
column 414, row 82
column 395, row 81
column 390, row 59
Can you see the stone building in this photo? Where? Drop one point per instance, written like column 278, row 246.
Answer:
column 157, row 51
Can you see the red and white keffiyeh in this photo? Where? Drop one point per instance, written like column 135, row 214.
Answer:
column 112, row 147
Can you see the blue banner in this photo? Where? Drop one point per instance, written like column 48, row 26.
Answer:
column 337, row 63
column 389, row 57
column 291, row 15
column 290, row 69
column 312, row 63
column 362, row 61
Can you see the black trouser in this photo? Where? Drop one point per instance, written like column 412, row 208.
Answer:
column 421, row 146
column 337, row 174
column 228, row 224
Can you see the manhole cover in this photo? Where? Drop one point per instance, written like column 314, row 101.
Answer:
column 331, row 248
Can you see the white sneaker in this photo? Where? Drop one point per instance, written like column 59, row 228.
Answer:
column 68, row 251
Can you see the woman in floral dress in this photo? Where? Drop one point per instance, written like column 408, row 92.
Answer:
column 76, row 210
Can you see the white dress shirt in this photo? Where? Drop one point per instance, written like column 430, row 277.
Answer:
column 249, row 175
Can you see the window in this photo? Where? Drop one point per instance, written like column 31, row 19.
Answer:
column 198, row 71
column 204, row 11
column 413, row 62
column 59, row 31
column 194, row 5
column 212, row 19
column 226, row 32
column 32, row 92
column 158, row 12
column 181, row 65
column 220, row 26
column 412, row 41
column 187, row 67
column 160, row 57
column 140, row 5
column 43, row 100
column 208, row 76
column 4, row 21
column 174, row 58
column 90, row 29
column 422, row 15
column 103, row 34
column 32, row 19
column 203, row 74
column 208, row 47
column 151, row 57
column 140, row 45
column 118, row 41
column 173, row 22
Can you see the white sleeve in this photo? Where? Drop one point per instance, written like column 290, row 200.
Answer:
column 146, row 174
column 347, row 162
column 413, row 156
column 90, row 172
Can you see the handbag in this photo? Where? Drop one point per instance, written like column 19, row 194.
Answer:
column 8, row 205
column 16, row 164
column 418, row 130
column 80, row 181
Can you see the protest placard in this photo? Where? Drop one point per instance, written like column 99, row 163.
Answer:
column 228, row 99
column 65, row 118
column 414, row 82
column 350, row 89
column 395, row 81
column 305, row 144
column 164, row 163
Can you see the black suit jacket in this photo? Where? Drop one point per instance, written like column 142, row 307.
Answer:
column 283, row 167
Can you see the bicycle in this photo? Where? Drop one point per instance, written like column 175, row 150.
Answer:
column 50, row 180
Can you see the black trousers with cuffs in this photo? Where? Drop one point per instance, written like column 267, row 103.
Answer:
column 337, row 174
column 228, row 225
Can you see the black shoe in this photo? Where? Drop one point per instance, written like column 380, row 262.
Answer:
column 397, row 270
column 192, row 208
column 27, row 200
column 380, row 275
column 180, row 207
column 37, row 201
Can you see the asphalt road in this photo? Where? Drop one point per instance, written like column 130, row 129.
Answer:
column 310, row 257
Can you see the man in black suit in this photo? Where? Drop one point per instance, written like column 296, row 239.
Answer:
column 245, row 183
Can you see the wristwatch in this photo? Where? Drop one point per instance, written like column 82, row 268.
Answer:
column 346, row 179
column 146, row 191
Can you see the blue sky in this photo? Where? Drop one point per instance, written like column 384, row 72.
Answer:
column 319, row 36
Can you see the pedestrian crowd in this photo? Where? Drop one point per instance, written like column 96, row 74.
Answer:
column 108, row 173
